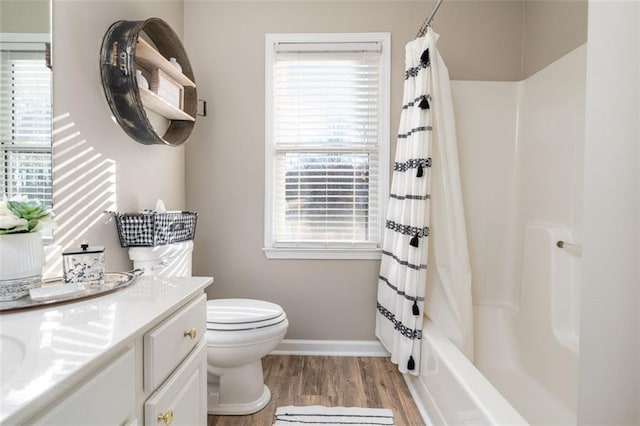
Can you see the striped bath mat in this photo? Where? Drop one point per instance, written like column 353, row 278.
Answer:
column 324, row 416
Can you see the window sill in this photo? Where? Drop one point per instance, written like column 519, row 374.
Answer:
column 323, row 253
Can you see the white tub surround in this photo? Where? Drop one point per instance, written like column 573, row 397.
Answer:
column 520, row 147
column 89, row 354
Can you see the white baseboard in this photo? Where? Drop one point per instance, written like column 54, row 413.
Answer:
column 370, row 348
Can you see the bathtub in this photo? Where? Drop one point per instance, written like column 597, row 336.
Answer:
column 452, row 391
column 525, row 369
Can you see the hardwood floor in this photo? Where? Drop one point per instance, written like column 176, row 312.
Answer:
column 330, row 381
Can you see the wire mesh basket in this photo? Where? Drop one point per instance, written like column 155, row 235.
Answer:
column 155, row 229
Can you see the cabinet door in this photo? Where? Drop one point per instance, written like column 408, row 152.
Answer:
column 108, row 398
column 182, row 399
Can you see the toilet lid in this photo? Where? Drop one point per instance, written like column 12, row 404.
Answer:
column 242, row 314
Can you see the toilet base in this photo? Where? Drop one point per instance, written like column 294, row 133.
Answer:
column 238, row 409
column 236, row 390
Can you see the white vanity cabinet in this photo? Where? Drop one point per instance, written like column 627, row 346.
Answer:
column 177, row 349
column 153, row 371
column 106, row 399
column 182, row 399
column 169, row 343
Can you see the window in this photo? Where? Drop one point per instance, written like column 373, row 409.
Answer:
column 25, row 121
column 327, row 142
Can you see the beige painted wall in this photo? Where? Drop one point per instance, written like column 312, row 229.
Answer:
column 96, row 165
column 24, row 16
column 225, row 156
column 225, row 40
column 551, row 29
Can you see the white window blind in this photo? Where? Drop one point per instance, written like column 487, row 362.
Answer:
column 327, row 130
column 25, row 121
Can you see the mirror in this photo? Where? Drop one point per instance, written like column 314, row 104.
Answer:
column 26, row 99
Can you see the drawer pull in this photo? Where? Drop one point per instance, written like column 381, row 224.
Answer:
column 191, row 333
column 167, row 417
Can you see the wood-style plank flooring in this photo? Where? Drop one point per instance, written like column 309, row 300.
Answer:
column 330, row 381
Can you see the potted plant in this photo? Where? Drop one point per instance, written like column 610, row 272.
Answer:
column 21, row 248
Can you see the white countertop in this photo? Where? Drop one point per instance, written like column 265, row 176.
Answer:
column 61, row 343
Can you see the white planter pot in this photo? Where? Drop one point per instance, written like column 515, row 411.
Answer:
column 21, row 262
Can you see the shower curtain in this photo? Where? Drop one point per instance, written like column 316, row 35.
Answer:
column 425, row 262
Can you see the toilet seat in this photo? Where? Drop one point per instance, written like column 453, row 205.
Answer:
column 242, row 314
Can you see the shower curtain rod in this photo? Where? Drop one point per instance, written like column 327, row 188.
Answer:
column 427, row 22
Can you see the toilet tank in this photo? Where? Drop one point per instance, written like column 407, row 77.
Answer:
column 170, row 260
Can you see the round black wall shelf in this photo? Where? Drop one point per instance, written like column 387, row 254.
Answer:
column 172, row 93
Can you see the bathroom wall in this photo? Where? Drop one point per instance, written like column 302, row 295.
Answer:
column 96, row 165
column 551, row 158
column 551, row 29
column 225, row 174
column 551, row 146
column 225, row 157
column 20, row 16
column 610, row 329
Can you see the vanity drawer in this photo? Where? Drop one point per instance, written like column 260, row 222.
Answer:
column 182, row 399
column 169, row 343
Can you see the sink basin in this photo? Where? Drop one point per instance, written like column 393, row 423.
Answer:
column 12, row 353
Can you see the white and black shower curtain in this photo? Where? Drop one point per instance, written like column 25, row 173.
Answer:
column 425, row 262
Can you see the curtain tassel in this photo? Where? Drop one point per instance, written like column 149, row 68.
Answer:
column 426, row 61
column 420, row 171
column 415, row 241
column 411, row 365
column 424, row 103
column 416, row 310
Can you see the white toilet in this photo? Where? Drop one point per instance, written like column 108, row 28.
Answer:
column 239, row 333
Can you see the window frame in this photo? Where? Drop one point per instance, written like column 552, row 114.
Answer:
column 327, row 250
